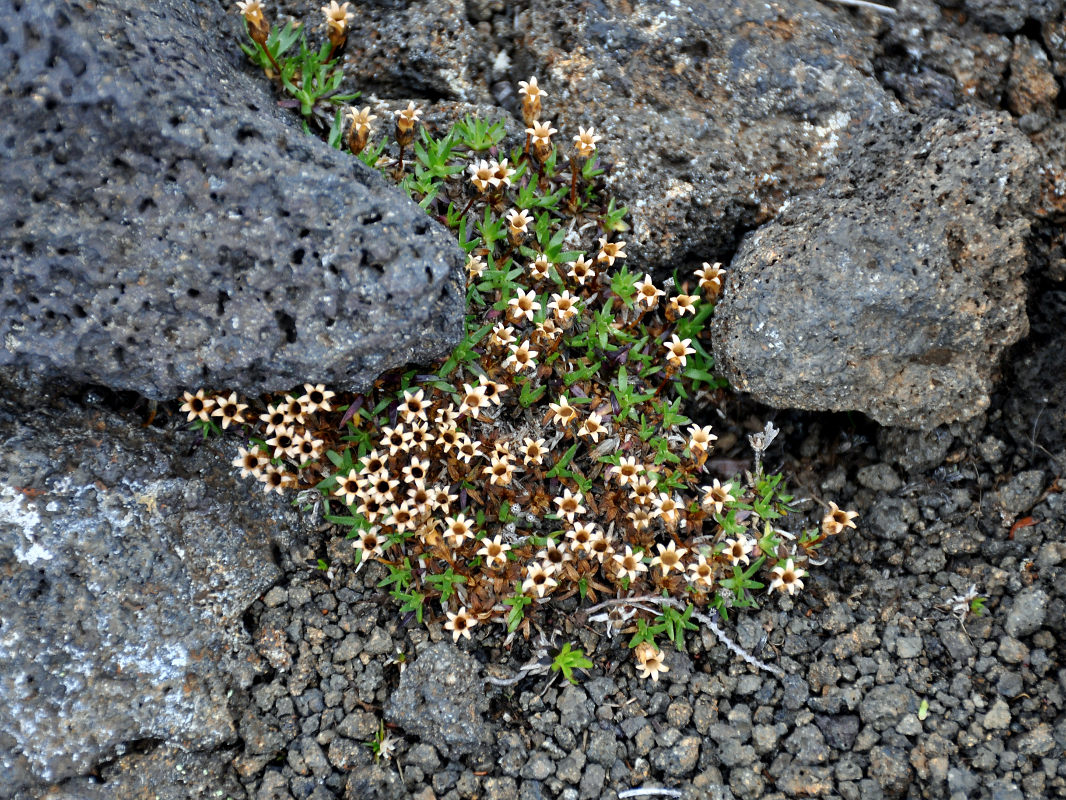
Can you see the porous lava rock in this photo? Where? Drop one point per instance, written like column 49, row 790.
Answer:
column 175, row 228
column 713, row 113
column 895, row 288
column 441, row 699
column 130, row 556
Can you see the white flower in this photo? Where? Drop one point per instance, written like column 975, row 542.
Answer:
column 786, row 578
column 460, row 623
column 494, row 551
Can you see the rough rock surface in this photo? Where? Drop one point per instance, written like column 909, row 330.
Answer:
column 895, row 288
column 130, row 557
column 418, row 48
column 714, row 113
column 175, row 229
column 441, row 699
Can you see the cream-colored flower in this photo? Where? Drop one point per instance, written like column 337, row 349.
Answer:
column 669, row 558
column 491, row 390
column 586, row 140
column 642, row 491
column 739, row 549
column 677, row 350
column 282, row 441
column 569, row 504
column 413, row 406
column 701, row 574
column 442, row 499
column 458, row 529
column 504, row 172
column 599, row 546
column 639, row 518
column 197, row 406
column 251, row 461
column 494, row 551
column 294, row 409
column 397, row 439
column 647, row 293
column 371, row 508
column 711, row 277
column 370, row 542
column 540, row 134
column 316, row 398
column 251, row 10
column 421, row 438
column 684, row 304
column 837, row 519
column 581, row 270
column 276, row 479
column 538, row 580
column 473, row 399
column 518, row 222
column 564, row 307
column 609, row 251
column 305, row 447
column 562, row 412
column 460, row 623
column 592, row 427
column 449, row 438
column 361, row 119
column 553, row 556
column 407, row 118
column 627, row 470
column 416, row 472
column 521, row 358
column 529, row 89
column 383, row 488
column 716, row 496
column 229, row 409
column 630, row 564
column 533, row 451
column 475, row 266
column 275, row 417
column 468, row 450
column 402, row 518
column 540, row 268
column 483, row 175
column 667, row 509
column 546, row 332
column 502, row 336
column 786, row 578
column 420, row 500
column 580, row 536
column 373, row 462
column 523, row 305
column 650, row 660
column 500, row 471
column 337, row 16
column 700, row 439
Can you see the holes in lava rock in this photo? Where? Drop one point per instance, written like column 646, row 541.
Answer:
column 287, row 325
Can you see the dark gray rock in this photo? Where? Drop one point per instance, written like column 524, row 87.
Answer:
column 895, row 288
column 176, row 229
column 131, row 555
column 165, row 772
column 374, row 782
column 441, row 699
column 1027, row 612
column 713, row 113
column 889, row 767
column 884, row 706
column 1008, row 16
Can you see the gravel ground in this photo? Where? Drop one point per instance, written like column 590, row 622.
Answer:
column 887, row 693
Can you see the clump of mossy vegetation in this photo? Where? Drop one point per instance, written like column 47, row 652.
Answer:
column 550, row 455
